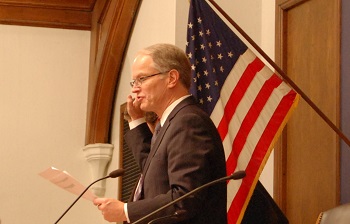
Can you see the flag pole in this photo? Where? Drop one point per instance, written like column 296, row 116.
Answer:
column 281, row 73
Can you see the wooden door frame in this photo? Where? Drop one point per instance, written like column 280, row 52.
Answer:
column 280, row 152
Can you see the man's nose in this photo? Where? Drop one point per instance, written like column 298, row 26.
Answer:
column 135, row 89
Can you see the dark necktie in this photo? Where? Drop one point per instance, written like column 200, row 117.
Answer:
column 138, row 190
column 155, row 134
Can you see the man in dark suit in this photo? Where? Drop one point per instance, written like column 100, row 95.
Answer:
column 187, row 152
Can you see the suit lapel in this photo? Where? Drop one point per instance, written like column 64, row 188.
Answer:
column 155, row 146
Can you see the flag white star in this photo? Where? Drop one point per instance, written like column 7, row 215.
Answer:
column 209, row 98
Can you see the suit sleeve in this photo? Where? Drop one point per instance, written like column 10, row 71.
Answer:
column 139, row 141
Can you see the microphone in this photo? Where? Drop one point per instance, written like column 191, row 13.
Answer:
column 113, row 174
column 235, row 176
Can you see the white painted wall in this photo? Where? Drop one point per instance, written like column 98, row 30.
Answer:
column 268, row 46
column 43, row 97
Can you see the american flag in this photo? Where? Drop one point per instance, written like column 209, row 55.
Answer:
column 248, row 103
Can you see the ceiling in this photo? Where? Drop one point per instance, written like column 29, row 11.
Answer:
column 68, row 14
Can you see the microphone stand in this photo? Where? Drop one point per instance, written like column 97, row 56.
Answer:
column 113, row 174
column 234, row 176
column 80, row 197
column 176, row 215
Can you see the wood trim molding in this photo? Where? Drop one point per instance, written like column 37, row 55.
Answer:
column 287, row 4
column 280, row 154
column 280, row 23
column 64, row 4
column 111, row 28
column 75, row 14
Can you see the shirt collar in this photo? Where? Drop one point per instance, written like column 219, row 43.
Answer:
column 171, row 108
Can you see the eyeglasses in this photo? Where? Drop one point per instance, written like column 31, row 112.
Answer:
column 137, row 82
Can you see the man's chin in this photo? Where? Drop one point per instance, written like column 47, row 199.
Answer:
column 143, row 107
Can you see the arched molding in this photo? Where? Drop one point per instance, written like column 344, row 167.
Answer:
column 112, row 22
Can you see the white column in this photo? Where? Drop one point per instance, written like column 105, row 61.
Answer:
column 98, row 155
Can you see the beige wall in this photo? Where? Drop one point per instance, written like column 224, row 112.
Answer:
column 43, row 86
column 43, row 95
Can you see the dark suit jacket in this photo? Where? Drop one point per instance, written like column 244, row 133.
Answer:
column 187, row 153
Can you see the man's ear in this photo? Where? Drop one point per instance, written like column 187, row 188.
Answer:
column 174, row 77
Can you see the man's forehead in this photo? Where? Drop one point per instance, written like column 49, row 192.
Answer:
column 142, row 62
column 142, row 57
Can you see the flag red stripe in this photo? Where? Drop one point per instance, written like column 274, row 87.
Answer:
column 237, row 95
column 259, row 154
column 249, row 121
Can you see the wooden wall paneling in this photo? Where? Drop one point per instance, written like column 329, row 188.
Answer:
column 112, row 25
column 307, row 157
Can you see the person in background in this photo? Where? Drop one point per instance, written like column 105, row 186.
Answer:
column 184, row 153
